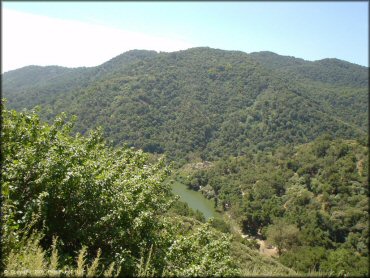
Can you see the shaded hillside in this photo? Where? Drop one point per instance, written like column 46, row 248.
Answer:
column 35, row 85
column 16, row 80
column 203, row 102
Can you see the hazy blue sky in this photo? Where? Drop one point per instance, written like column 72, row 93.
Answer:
column 308, row 30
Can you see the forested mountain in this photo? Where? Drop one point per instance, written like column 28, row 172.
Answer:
column 201, row 102
column 330, row 71
column 278, row 143
column 44, row 83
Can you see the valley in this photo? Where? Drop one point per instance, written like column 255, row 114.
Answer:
column 264, row 145
column 195, row 200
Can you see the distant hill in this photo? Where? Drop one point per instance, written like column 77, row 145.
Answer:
column 330, row 71
column 201, row 102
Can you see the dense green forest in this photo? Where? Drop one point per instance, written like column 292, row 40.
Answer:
column 74, row 206
column 315, row 194
column 278, row 143
column 201, row 102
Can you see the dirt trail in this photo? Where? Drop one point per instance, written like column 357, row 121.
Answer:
column 360, row 167
column 265, row 249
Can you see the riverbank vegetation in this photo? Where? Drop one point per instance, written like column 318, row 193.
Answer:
column 312, row 197
column 74, row 206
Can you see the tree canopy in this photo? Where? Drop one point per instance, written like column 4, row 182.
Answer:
column 83, row 192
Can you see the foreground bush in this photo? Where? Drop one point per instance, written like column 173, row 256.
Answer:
column 86, row 193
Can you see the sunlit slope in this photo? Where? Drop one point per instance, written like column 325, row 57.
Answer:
column 202, row 102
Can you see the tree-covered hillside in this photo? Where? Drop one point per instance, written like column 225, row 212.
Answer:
column 311, row 201
column 32, row 84
column 330, row 71
column 202, row 102
column 279, row 143
column 73, row 206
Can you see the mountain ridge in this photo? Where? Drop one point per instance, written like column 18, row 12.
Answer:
column 284, row 141
column 204, row 101
column 262, row 52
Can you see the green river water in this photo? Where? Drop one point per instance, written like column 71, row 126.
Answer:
column 195, row 200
